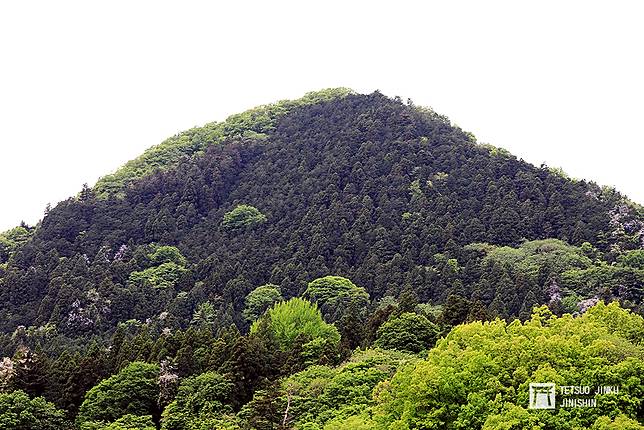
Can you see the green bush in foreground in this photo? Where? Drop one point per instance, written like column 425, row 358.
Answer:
column 19, row 412
column 199, row 399
column 133, row 391
column 478, row 376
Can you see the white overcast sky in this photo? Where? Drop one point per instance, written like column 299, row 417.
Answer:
column 88, row 85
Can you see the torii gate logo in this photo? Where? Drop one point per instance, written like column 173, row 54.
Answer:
column 542, row 395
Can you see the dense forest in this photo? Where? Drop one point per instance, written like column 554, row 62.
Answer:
column 341, row 261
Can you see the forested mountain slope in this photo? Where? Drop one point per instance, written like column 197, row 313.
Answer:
column 387, row 194
column 341, row 261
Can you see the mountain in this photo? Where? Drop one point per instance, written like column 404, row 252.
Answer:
column 383, row 213
column 361, row 186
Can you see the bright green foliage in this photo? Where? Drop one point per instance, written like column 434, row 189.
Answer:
column 19, row 412
column 159, row 157
column 512, row 417
column 587, row 282
column 10, row 240
column 255, row 123
column 496, row 151
column 517, row 418
column 354, row 422
column 531, row 257
column 409, row 332
column 199, row 399
column 619, row 423
column 134, row 390
column 15, row 236
column 333, row 294
column 168, row 254
column 578, row 276
column 168, row 266
column 225, row 422
column 126, row 422
column 262, row 119
column 415, row 190
column 165, row 275
column 132, row 422
column 288, row 320
column 260, row 299
column 242, row 216
column 204, row 315
column 478, row 376
column 320, row 394
column 633, row 259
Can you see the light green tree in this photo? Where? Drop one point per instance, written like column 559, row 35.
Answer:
column 167, row 254
column 259, row 300
column 204, row 316
column 409, row 332
column 199, row 399
column 126, row 422
column 242, row 216
column 478, row 375
column 334, row 294
column 132, row 391
column 288, row 320
column 18, row 411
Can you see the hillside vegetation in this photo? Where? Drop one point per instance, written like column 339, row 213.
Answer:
column 341, row 261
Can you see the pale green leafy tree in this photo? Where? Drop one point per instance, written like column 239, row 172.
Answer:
column 334, row 294
column 259, row 300
column 288, row 320
column 478, row 375
column 132, row 391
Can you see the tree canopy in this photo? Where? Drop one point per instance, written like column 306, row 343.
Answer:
column 19, row 412
column 243, row 216
column 408, row 332
column 132, row 391
column 259, row 300
column 478, row 375
column 296, row 317
column 334, row 294
column 199, row 399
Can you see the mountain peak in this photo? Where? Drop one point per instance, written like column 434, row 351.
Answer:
column 254, row 122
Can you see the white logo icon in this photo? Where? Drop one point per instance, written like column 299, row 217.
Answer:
column 542, row 395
